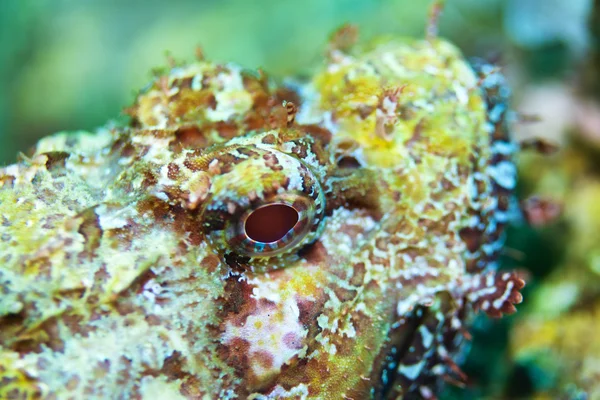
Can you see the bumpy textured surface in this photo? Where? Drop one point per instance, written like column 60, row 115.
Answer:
column 127, row 271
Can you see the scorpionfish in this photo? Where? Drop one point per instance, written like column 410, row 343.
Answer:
column 330, row 239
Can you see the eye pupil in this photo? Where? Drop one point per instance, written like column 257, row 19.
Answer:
column 270, row 223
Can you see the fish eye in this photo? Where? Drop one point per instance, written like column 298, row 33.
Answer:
column 269, row 204
column 275, row 227
column 270, row 223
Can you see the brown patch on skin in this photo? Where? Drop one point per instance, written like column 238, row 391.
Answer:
column 416, row 136
column 189, row 137
column 227, row 162
column 503, row 202
column 269, row 139
column 357, row 189
column 91, row 231
column 123, row 147
column 149, row 179
column 173, row 171
column 255, row 121
column 188, row 224
column 364, row 110
column 236, row 303
column 103, row 368
column 235, row 353
column 315, row 254
column 305, row 371
column 159, row 209
column 263, row 359
column 358, row 274
column 472, row 238
column 172, row 367
column 191, row 387
column 278, row 118
column 300, row 149
column 344, row 294
column 286, row 94
column 272, row 162
column 188, row 105
column 33, row 340
column 227, row 130
column 210, row 263
column 317, row 132
column 153, row 320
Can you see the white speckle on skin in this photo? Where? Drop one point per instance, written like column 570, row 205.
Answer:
column 411, row 371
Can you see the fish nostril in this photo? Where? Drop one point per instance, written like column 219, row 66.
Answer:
column 270, row 223
column 348, row 162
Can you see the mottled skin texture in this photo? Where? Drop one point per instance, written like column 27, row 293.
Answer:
column 126, row 273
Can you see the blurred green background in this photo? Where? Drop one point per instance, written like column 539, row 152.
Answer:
column 69, row 65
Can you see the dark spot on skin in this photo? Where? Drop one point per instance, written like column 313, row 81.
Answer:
column 365, row 110
column 313, row 253
column 272, row 162
column 278, row 117
column 344, row 294
column 91, row 231
column 358, row 274
column 287, row 94
column 472, row 238
column 269, row 139
column 189, row 138
column 214, row 221
column 226, row 129
column 191, row 387
column 300, row 149
column 172, row 171
column 237, row 262
column 153, row 320
column 149, row 179
column 317, row 132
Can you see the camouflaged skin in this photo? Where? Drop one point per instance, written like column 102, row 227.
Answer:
column 125, row 275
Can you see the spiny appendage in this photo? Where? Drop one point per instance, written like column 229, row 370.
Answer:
column 495, row 293
column 494, row 179
column 425, row 360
